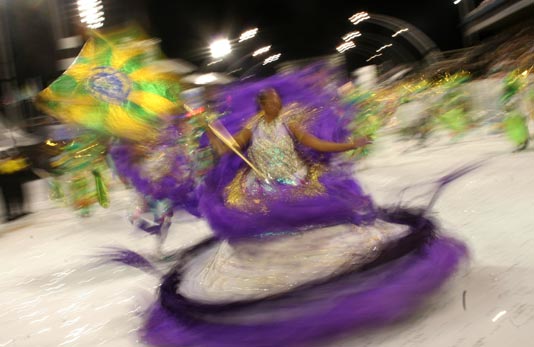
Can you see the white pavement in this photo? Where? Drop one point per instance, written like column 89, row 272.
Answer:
column 54, row 293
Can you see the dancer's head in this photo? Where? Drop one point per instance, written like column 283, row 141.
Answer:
column 270, row 103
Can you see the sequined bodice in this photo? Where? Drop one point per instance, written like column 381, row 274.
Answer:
column 273, row 152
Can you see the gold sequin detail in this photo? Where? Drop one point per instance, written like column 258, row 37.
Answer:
column 273, row 151
column 238, row 197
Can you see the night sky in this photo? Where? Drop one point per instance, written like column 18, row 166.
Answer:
column 297, row 29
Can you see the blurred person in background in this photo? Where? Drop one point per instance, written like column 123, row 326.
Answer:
column 14, row 171
column 16, row 149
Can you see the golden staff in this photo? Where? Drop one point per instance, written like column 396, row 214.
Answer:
column 233, row 145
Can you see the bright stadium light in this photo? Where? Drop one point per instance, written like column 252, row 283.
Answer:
column 350, row 36
column 260, row 51
column 345, row 46
column 399, row 32
column 205, row 79
column 374, row 56
column 271, row 59
column 91, row 13
column 247, row 35
column 220, row 48
column 383, row 47
column 214, row 62
column 359, row 17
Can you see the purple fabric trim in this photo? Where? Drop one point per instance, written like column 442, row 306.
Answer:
column 127, row 257
column 343, row 202
column 349, row 303
column 181, row 194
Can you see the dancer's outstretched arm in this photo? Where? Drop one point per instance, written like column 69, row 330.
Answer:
column 313, row 142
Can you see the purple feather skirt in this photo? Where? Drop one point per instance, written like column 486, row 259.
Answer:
column 179, row 189
column 342, row 201
column 376, row 285
column 368, row 294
